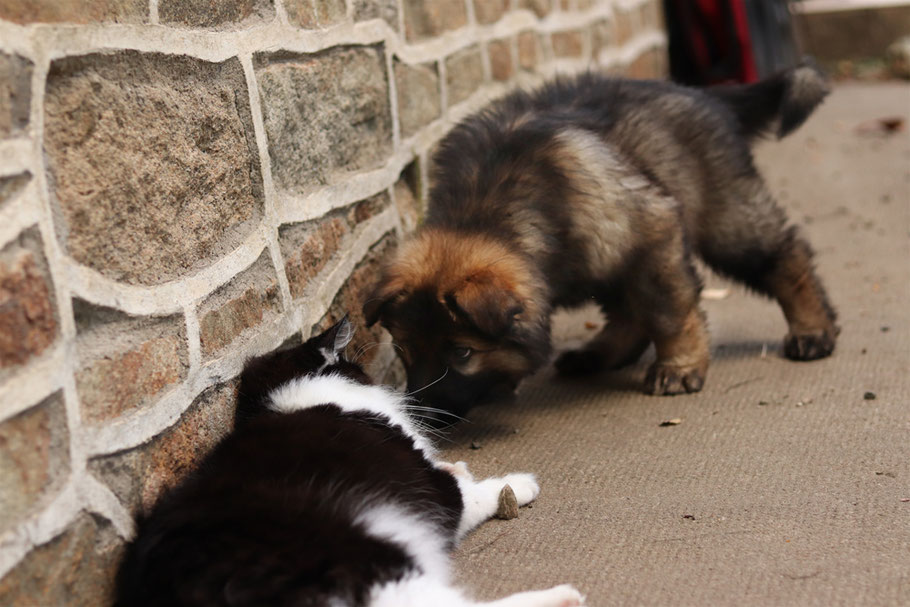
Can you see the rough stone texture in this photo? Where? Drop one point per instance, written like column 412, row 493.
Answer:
column 125, row 362
column 427, row 18
column 419, row 101
column 349, row 301
column 377, row 9
column 490, row 11
column 650, row 64
column 569, row 44
column 153, row 164
column 541, row 8
column 623, row 25
column 215, row 13
column 74, row 11
column 249, row 299
column 28, row 316
column 501, row 66
column 325, row 114
column 367, row 209
column 315, row 13
column 464, row 73
column 307, row 248
column 139, row 476
column 15, row 93
column 12, row 185
column 75, row 569
column 528, row 50
column 652, row 15
column 34, row 459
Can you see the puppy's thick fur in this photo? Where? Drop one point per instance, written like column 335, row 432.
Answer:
column 598, row 188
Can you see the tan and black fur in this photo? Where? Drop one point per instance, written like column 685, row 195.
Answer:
column 603, row 189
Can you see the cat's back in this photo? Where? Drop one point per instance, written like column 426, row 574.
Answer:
column 293, row 508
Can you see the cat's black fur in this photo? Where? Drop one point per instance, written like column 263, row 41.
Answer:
column 266, row 518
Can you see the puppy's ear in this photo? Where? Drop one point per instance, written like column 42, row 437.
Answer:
column 486, row 303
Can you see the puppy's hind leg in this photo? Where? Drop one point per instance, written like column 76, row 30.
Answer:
column 752, row 243
column 620, row 343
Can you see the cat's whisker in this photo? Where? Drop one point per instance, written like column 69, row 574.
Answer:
column 436, row 381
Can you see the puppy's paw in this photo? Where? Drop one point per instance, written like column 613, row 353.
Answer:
column 563, row 596
column 524, row 485
column 576, row 363
column 665, row 379
column 810, row 346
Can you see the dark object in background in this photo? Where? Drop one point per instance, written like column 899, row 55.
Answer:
column 727, row 41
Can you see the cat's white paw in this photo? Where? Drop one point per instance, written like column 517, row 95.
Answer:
column 564, row 596
column 524, row 485
column 458, row 470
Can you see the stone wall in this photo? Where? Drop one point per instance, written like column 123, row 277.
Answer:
column 187, row 183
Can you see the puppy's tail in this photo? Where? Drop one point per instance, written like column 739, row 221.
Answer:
column 778, row 104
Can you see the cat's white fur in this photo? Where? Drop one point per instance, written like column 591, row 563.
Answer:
column 414, row 533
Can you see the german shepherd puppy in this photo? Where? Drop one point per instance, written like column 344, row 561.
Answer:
column 598, row 188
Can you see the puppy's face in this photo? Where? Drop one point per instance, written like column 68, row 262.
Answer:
column 458, row 309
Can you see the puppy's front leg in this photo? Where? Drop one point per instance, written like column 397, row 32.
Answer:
column 481, row 499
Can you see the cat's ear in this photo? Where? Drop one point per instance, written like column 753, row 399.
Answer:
column 337, row 337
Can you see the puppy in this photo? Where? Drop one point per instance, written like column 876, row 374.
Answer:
column 598, row 188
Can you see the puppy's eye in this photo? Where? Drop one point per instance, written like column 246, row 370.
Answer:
column 461, row 353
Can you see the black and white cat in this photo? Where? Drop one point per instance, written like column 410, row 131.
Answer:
column 325, row 494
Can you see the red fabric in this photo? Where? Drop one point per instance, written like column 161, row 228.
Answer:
column 718, row 33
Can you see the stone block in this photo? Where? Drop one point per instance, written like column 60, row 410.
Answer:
column 501, row 65
column 245, row 302
column 623, row 26
column 138, row 476
column 325, row 114
column 419, row 101
column 11, row 186
column 529, row 53
column 652, row 63
column 652, row 15
column 490, row 11
column 75, row 569
column 74, row 11
column 349, row 301
column 125, row 362
column 387, row 10
column 541, row 8
column 34, row 459
column 464, row 73
column 366, row 209
column 429, row 18
column 152, row 160
column 215, row 14
column 28, row 311
column 307, row 248
column 315, row 13
column 569, row 44
column 15, row 93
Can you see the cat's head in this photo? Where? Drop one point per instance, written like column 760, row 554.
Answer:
column 322, row 354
